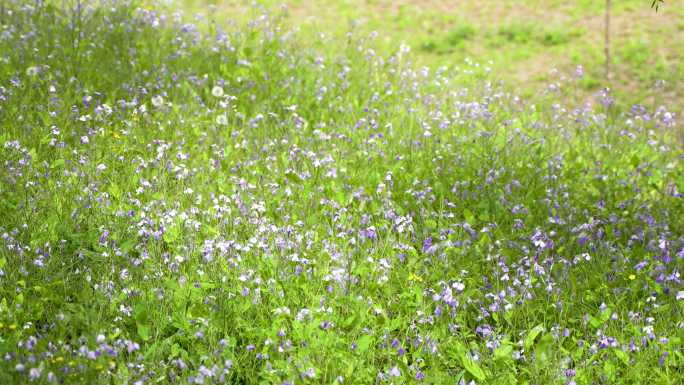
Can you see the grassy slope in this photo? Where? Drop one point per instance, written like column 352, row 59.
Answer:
column 154, row 230
column 523, row 40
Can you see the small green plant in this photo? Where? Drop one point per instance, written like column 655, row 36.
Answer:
column 459, row 34
column 454, row 40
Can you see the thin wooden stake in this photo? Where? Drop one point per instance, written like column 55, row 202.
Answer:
column 606, row 47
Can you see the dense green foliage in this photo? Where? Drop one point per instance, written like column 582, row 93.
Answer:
column 209, row 203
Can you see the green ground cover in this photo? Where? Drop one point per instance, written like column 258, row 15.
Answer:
column 521, row 41
column 216, row 201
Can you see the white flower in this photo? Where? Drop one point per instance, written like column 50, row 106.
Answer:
column 222, row 120
column 309, row 373
column 303, row 314
column 217, row 91
column 32, row 71
column 157, row 101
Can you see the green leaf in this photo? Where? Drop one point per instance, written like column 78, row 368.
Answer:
column 503, row 352
column 293, row 177
column 364, row 343
column 594, row 322
column 622, row 355
column 144, row 331
column 605, row 315
column 469, row 217
column 484, row 239
column 350, row 321
column 473, row 368
column 544, row 346
column 171, row 234
column 198, row 310
column 609, row 370
column 115, row 190
column 140, row 312
column 57, row 163
column 532, row 335
column 127, row 245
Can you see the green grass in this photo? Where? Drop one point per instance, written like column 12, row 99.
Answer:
column 235, row 201
column 523, row 40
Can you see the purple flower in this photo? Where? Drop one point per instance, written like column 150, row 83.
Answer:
column 34, row 373
column 369, row 233
column 663, row 357
column 582, row 240
column 132, row 346
column 484, row 330
column 427, row 244
column 104, row 236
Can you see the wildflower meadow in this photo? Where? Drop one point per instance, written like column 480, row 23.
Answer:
column 226, row 201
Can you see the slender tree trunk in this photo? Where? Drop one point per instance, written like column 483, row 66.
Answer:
column 606, row 48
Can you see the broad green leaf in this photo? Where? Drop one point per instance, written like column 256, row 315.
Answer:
column 622, row 355
column 57, row 163
column 503, row 352
column 484, row 239
column 143, row 331
column 363, row 343
column 469, row 217
column 543, row 347
column 532, row 335
column 473, row 368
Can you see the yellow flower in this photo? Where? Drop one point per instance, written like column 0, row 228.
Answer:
column 413, row 277
column 632, row 277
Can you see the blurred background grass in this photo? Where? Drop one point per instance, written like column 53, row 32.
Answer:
column 521, row 41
